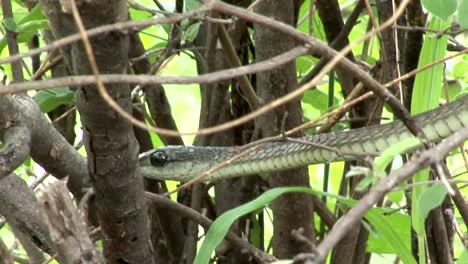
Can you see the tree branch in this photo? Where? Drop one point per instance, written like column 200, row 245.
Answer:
column 354, row 215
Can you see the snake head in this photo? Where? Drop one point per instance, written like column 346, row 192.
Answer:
column 180, row 162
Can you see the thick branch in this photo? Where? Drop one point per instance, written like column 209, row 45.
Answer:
column 22, row 211
column 38, row 138
column 67, row 227
column 16, row 136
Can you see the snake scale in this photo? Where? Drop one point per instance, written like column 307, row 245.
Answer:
column 186, row 162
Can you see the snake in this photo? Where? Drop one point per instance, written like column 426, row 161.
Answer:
column 183, row 163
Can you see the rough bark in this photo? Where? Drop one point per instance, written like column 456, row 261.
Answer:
column 413, row 46
column 22, row 211
column 330, row 14
column 110, row 142
column 167, row 234
column 389, row 48
column 291, row 211
column 215, row 110
column 22, row 122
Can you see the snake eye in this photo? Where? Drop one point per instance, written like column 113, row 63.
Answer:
column 158, row 158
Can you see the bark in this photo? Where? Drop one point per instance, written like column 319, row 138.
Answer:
column 158, row 104
column 65, row 125
column 413, row 46
column 389, row 47
column 22, row 211
column 167, row 234
column 352, row 248
column 110, row 142
column 220, row 102
column 5, row 255
column 291, row 211
column 26, row 131
column 330, row 14
column 67, row 227
column 439, row 230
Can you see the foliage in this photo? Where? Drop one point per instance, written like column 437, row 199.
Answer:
column 389, row 227
column 395, row 237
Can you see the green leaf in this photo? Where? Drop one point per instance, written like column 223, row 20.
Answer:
column 220, row 227
column 317, row 25
column 316, row 98
column 136, row 14
column 50, row 99
column 384, row 159
column 256, row 232
column 428, row 83
column 20, row 3
column 396, row 196
column 398, row 242
column 34, row 14
column 10, row 24
column 191, row 32
column 441, row 8
column 463, row 259
column 464, row 92
column 426, row 94
column 460, row 69
column 3, row 44
column 27, row 26
column 431, row 198
column 24, row 37
column 191, row 4
column 304, row 64
column 365, row 183
column 454, row 88
column 462, row 11
column 398, row 227
column 33, row 26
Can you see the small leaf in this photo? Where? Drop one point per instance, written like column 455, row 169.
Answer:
column 454, row 88
column 304, row 64
column 396, row 196
column 460, row 69
column 398, row 240
column 364, row 184
column 191, row 4
column 316, row 98
column 24, row 37
column 50, row 99
column 400, row 224
column 137, row 14
column 34, row 14
column 431, row 198
column 191, row 32
column 3, row 44
column 20, row 3
column 10, row 24
column 384, row 159
column 462, row 17
column 441, row 8
column 33, row 26
column 463, row 259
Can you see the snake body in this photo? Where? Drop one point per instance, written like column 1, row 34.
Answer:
column 186, row 162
